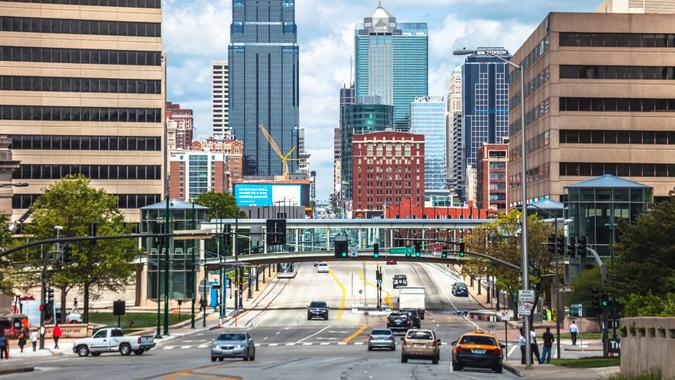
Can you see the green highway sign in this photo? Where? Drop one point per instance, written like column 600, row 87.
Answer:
column 402, row 251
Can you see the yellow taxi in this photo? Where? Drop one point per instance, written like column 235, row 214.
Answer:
column 477, row 349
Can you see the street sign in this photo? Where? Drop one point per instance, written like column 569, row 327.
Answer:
column 505, row 315
column 614, row 346
column 524, row 309
column 401, row 251
column 526, row 296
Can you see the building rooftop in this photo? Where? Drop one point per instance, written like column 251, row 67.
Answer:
column 174, row 204
column 607, row 180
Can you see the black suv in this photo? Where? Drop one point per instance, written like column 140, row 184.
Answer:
column 400, row 280
column 399, row 323
column 317, row 309
column 414, row 317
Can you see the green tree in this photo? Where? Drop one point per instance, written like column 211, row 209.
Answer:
column 74, row 204
column 6, row 283
column 649, row 305
column 221, row 205
column 582, row 287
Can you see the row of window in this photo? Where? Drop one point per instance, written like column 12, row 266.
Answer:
column 531, row 58
column 130, row 172
column 25, row 201
column 617, row 105
column 40, row 142
column 531, row 116
column 65, row 84
column 647, row 40
column 84, row 56
column 617, row 72
column 573, row 136
column 69, row 26
column 46, row 113
column 621, row 169
column 102, row 3
column 532, row 86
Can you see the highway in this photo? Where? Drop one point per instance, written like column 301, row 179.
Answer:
column 291, row 347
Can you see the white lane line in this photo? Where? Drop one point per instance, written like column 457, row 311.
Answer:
column 185, row 347
column 358, row 344
column 307, row 344
column 278, row 332
column 511, row 351
column 290, row 344
column 342, row 343
column 168, row 347
column 325, row 343
column 450, row 300
column 315, row 334
column 273, row 344
column 204, row 345
column 265, row 338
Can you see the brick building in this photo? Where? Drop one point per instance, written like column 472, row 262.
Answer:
column 492, row 173
column 407, row 209
column 180, row 126
column 388, row 166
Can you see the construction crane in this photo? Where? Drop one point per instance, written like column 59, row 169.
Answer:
column 283, row 157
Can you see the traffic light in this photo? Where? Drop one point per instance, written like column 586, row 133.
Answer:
column 418, row 249
column 376, row 250
column 378, row 277
column 461, row 249
column 572, row 246
column 67, row 254
column 582, row 246
column 276, row 231
column 551, row 244
column 444, row 252
column 595, row 298
column 560, row 245
column 604, row 300
column 50, row 295
column 341, row 248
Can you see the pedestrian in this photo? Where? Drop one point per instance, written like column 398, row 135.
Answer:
column 574, row 331
column 521, row 343
column 548, row 346
column 534, row 347
column 75, row 310
column 3, row 345
column 22, row 340
column 33, row 339
column 56, row 334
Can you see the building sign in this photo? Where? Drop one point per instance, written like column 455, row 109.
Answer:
column 261, row 195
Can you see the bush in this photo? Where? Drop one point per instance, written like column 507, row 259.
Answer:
column 649, row 305
column 651, row 375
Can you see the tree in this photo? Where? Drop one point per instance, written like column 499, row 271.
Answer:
column 582, row 287
column 103, row 265
column 221, row 205
column 6, row 284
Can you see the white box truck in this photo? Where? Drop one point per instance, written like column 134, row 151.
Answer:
column 412, row 297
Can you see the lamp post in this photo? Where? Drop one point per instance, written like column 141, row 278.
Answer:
column 523, row 181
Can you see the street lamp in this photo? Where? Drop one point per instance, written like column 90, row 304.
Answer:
column 523, row 181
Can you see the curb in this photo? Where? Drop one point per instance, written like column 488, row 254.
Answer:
column 513, row 370
column 13, row 370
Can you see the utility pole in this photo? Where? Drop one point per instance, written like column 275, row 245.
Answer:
column 43, row 290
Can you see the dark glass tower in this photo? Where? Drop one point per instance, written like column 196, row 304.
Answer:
column 263, row 59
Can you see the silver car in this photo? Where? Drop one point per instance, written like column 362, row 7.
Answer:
column 381, row 338
column 233, row 345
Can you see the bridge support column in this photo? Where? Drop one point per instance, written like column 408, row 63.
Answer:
column 327, row 239
column 297, row 240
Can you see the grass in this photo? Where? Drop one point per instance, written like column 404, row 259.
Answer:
column 566, row 335
column 587, row 362
column 140, row 320
column 652, row 375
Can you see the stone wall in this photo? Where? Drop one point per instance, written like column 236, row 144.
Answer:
column 647, row 344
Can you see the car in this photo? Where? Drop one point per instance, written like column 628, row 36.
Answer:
column 233, row 345
column 322, row 268
column 414, row 317
column 317, row 309
column 400, row 280
column 113, row 340
column 399, row 322
column 392, row 262
column 459, row 289
column 477, row 349
column 381, row 338
column 421, row 344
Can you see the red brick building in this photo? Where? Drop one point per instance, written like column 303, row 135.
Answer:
column 407, row 209
column 180, row 126
column 388, row 167
column 492, row 173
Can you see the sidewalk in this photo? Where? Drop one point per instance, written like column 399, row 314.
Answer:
column 548, row 371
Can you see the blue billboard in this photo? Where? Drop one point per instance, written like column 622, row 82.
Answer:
column 261, row 195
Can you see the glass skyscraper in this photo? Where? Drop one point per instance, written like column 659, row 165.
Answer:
column 485, row 107
column 392, row 62
column 427, row 117
column 264, row 70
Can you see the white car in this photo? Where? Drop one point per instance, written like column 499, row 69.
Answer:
column 113, row 340
column 322, row 268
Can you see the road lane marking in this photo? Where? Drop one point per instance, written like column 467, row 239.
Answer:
column 343, row 298
column 450, row 299
column 325, row 343
column 315, row 334
column 358, row 344
column 205, row 345
column 185, row 347
column 511, row 351
column 273, row 344
column 168, row 347
column 355, row 334
column 290, row 344
column 342, row 343
column 307, row 344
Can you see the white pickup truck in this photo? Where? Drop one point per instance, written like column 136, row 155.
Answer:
column 113, row 340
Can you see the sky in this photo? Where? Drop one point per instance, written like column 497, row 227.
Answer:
column 196, row 33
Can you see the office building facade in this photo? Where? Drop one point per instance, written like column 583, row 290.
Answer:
column 179, row 122
column 600, row 92
column 454, row 106
column 220, row 101
column 457, row 173
column 83, row 93
column 636, row 6
column 264, row 82
column 427, row 117
column 392, row 62
column 491, row 176
column 233, row 155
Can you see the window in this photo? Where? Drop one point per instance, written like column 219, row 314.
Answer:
column 618, row 40
column 616, row 105
column 616, row 137
column 84, row 56
column 105, row 3
column 37, row 142
column 622, row 169
column 37, row 171
column 68, row 26
column 138, row 115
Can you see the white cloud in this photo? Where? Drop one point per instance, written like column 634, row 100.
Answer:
column 197, row 27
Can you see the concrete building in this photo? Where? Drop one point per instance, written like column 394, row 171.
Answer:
column 193, row 173
column 233, row 151
column 392, row 62
column 427, row 117
column 637, row 6
column 491, row 190
column 388, row 166
column 347, row 98
column 83, row 92
column 220, row 100
column 457, row 174
column 179, row 122
column 600, row 92
column 454, row 100
column 7, row 167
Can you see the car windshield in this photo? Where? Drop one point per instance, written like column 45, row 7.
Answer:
column 478, row 339
column 381, row 332
column 398, row 316
column 232, row 336
column 317, row 304
column 420, row 335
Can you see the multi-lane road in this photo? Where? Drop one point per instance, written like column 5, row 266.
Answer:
column 290, row 346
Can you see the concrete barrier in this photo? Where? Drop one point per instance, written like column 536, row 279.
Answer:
column 648, row 344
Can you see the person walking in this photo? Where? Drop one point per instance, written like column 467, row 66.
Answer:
column 22, row 339
column 548, row 346
column 521, row 343
column 56, row 334
column 534, row 347
column 574, row 331
column 3, row 344
column 33, row 339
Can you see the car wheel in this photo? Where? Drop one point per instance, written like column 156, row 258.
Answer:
column 96, row 354
column 404, row 359
column 246, row 356
column 213, row 359
column 139, row 352
column 309, row 318
column 393, row 348
column 221, row 359
column 83, row 351
column 125, row 349
column 498, row 369
column 435, row 360
column 456, row 366
column 253, row 357
column 370, row 348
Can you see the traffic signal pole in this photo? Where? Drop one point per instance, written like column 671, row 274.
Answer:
column 43, row 291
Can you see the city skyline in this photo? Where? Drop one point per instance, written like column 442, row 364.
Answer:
column 326, row 35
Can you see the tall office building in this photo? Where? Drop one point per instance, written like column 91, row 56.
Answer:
column 220, row 101
column 392, row 62
column 264, row 71
column 491, row 177
column 637, row 6
column 427, row 117
column 485, row 108
column 179, row 124
column 454, row 100
column 457, row 177
column 347, row 97
column 82, row 93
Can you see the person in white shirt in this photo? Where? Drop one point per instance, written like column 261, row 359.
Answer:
column 33, row 339
column 521, row 343
column 574, row 331
column 534, row 346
